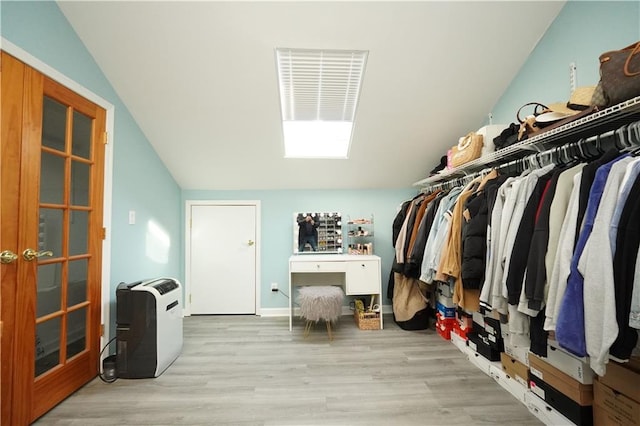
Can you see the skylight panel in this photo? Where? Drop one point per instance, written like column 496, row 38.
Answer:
column 319, row 92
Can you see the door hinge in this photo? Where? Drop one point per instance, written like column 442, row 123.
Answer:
column 103, row 233
column 189, row 298
column 101, row 329
column 105, row 138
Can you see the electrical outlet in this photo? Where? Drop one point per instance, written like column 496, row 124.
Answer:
column 274, row 286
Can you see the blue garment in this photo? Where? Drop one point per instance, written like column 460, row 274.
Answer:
column 570, row 324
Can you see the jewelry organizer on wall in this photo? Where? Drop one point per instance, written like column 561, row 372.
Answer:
column 360, row 235
column 601, row 123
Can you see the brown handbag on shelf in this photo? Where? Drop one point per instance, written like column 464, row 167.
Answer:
column 468, row 149
column 619, row 75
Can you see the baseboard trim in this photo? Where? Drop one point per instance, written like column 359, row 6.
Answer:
column 284, row 312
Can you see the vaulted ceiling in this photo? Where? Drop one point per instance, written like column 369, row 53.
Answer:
column 200, row 80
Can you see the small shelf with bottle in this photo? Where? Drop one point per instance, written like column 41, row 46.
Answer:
column 360, row 235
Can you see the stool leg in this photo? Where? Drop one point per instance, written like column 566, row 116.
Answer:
column 329, row 330
column 307, row 328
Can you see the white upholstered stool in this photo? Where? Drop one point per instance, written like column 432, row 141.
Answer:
column 320, row 303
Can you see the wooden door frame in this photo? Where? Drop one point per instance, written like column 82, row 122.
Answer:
column 59, row 77
column 187, row 246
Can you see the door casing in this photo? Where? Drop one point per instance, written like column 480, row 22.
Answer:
column 59, row 77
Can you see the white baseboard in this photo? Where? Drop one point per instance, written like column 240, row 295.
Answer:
column 274, row 312
column 284, row 312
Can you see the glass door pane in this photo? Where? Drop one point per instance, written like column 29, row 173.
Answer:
column 47, row 345
column 65, row 212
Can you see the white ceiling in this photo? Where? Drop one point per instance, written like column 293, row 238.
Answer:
column 200, row 80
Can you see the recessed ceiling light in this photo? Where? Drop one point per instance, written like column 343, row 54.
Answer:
column 319, row 91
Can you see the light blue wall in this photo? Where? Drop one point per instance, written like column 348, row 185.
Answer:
column 277, row 208
column 141, row 182
column 582, row 31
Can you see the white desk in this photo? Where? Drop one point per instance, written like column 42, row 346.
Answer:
column 357, row 274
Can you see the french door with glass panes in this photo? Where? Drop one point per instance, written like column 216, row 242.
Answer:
column 51, row 241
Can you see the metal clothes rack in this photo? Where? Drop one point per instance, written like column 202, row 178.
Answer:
column 568, row 140
column 600, row 122
column 624, row 138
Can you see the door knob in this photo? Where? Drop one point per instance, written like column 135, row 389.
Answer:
column 30, row 254
column 251, row 242
column 8, row 256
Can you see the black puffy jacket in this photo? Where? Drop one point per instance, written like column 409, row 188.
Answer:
column 474, row 241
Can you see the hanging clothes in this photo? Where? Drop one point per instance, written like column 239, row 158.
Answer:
column 396, row 227
column 634, row 313
column 536, row 277
column 564, row 253
column 570, row 322
column 627, row 241
column 438, row 235
column 474, row 232
column 450, row 264
column 554, row 249
column 494, row 265
column 596, row 266
column 557, row 212
column 410, row 307
column 422, row 226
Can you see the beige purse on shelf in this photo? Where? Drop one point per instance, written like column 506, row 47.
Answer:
column 468, row 149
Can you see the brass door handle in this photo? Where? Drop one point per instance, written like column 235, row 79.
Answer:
column 7, row 256
column 251, row 242
column 31, row 254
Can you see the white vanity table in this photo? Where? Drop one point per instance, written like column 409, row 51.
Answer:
column 357, row 274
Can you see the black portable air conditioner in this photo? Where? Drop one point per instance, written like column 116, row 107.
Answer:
column 148, row 327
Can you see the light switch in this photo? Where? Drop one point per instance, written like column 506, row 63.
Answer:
column 132, row 217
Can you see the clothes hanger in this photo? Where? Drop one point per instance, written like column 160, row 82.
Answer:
column 559, row 153
column 599, row 138
column 564, row 153
column 591, row 147
column 634, row 141
column 590, row 150
column 569, row 156
column 581, row 149
column 620, row 141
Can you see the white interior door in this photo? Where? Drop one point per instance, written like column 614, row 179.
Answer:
column 223, row 259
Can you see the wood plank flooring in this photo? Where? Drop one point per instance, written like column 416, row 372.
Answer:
column 248, row 370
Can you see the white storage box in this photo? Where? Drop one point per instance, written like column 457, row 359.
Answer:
column 574, row 366
column 478, row 360
column 478, row 318
column 515, row 388
column 444, row 289
column 445, row 301
column 460, row 343
column 520, row 353
column 488, row 134
column 544, row 412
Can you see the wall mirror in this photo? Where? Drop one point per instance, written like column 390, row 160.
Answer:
column 317, row 232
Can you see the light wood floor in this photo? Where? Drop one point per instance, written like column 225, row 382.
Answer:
column 247, row 370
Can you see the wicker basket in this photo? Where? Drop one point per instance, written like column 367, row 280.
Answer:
column 367, row 320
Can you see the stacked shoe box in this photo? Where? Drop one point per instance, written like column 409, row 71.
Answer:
column 617, row 395
column 560, row 381
column 519, row 353
column 464, row 323
column 517, row 376
column 486, row 337
column 446, row 311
